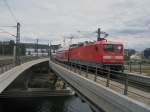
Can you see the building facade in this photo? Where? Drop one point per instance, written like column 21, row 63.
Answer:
column 147, row 53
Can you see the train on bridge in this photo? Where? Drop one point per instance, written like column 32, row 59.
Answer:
column 102, row 53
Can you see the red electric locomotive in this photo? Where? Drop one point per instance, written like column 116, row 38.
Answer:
column 102, row 53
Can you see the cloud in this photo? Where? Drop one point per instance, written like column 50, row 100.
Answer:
column 53, row 19
column 131, row 30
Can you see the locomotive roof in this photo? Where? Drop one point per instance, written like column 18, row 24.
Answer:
column 107, row 42
column 90, row 43
column 93, row 43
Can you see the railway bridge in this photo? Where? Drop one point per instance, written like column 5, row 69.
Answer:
column 96, row 95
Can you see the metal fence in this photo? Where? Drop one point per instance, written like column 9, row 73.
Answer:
column 138, row 67
column 107, row 74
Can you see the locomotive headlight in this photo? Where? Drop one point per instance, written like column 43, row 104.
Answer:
column 107, row 57
column 118, row 57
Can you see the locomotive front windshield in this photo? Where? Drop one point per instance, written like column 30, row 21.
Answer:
column 113, row 48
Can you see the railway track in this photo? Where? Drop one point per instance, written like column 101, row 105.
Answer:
column 136, row 81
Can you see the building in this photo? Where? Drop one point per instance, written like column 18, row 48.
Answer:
column 28, row 49
column 136, row 57
column 7, row 48
column 36, row 49
column 40, row 49
column 129, row 53
column 147, row 53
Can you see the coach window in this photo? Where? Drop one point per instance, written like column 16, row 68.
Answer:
column 118, row 48
column 113, row 48
column 108, row 48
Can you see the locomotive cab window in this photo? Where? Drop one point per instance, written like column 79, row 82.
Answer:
column 113, row 48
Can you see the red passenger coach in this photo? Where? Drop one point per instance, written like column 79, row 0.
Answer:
column 62, row 54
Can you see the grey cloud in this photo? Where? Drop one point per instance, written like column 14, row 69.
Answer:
column 121, row 18
column 131, row 31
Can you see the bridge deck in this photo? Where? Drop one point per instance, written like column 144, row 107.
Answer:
column 98, row 95
column 7, row 77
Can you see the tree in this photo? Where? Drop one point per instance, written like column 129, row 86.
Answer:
column 128, row 53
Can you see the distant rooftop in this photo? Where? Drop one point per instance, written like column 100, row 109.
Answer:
column 33, row 45
column 40, row 46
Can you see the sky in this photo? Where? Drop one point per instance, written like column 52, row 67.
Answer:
column 127, row 21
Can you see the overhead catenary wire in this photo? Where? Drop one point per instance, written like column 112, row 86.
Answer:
column 4, row 31
column 8, row 26
column 10, row 10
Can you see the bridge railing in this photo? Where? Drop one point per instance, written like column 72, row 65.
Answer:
column 94, row 94
column 108, row 76
column 138, row 67
column 7, row 64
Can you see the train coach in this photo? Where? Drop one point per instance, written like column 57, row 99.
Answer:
column 102, row 53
